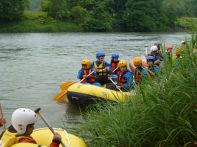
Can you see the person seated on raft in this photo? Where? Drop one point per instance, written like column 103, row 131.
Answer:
column 114, row 66
column 140, row 73
column 23, row 121
column 157, row 54
column 86, row 74
column 169, row 53
column 152, row 68
column 125, row 78
column 102, row 68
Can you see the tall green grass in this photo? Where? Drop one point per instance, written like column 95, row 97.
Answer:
column 163, row 112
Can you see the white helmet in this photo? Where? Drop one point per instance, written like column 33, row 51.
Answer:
column 153, row 48
column 22, row 117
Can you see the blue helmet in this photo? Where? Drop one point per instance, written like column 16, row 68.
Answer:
column 151, row 58
column 100, row 54
column 114, row 55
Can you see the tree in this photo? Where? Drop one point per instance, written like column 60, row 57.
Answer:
column 11, row 10
column 58, row 9
column 144, row 15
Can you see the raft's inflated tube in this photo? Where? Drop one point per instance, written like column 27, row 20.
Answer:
column 86, row 93
column 43, row 137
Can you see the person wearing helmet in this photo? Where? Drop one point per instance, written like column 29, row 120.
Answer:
column 102, row 68
column 169, row 53
column 152, row 68
column 125, row 78
column 140, row 73
column 23, row 120
column 87, row 74
column 114, row 66
column 169, row 49
column 157, row 54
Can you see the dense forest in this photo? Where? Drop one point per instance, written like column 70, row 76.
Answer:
column 104, row 15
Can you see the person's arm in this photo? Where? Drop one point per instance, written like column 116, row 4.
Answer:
column 107, row 67
column 80, row 75
column 56, row 140
column 129, row 81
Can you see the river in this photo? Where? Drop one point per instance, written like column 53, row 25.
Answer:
column 32, row 65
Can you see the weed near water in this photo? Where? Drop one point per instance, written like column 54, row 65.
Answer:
column 163, row 112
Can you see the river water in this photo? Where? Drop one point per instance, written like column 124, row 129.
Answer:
column 32, row 65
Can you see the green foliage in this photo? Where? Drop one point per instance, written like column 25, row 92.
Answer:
column 163, row 112
column 58, row 9
column 78, row 14
column 143, row 15
column 39, row 22
column 11, row 10
column 45, row 5
column 187, row 23
column 106, row 15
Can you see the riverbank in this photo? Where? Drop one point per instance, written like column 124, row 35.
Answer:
column 39, row 21
column 163, row 112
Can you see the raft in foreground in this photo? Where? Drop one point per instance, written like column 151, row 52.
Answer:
column 43, row 137
column 84, row 94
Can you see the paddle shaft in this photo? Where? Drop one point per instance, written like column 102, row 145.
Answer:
column 115, row 84
column 86, row 77
column 115, row 69
column 47, row 124
column 1, row 111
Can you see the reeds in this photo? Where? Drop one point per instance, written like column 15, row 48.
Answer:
column 163, row 112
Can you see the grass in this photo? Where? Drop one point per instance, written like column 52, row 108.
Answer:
column 35, row 21
column 163, row 112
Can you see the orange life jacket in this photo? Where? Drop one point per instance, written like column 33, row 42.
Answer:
column 114, row 65
column 29, row 139
column 90, row 78
column 121, row 80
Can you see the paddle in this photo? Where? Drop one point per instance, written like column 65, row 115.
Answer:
column 60, row 95
column 65, row 85
column 1, row 112
column 37, row 111
column 115, row 84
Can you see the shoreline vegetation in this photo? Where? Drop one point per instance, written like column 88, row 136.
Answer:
column 162, row 113
column 33, row 21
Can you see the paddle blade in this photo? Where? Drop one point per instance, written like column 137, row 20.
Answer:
column 61, row 96
column 65, row 85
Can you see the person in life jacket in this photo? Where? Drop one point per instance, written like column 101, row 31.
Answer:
column 102, row 68
column 152, row 68
column 169, row 53
column 140, row 73
column 114, row 66
column 157, row 54
column 23, row 121
column 125, row 77
column 87, row 74
column 178, row 58
column 180, row 50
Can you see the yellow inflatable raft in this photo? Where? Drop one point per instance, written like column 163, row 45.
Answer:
column 83, row 94
column 43, row 137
